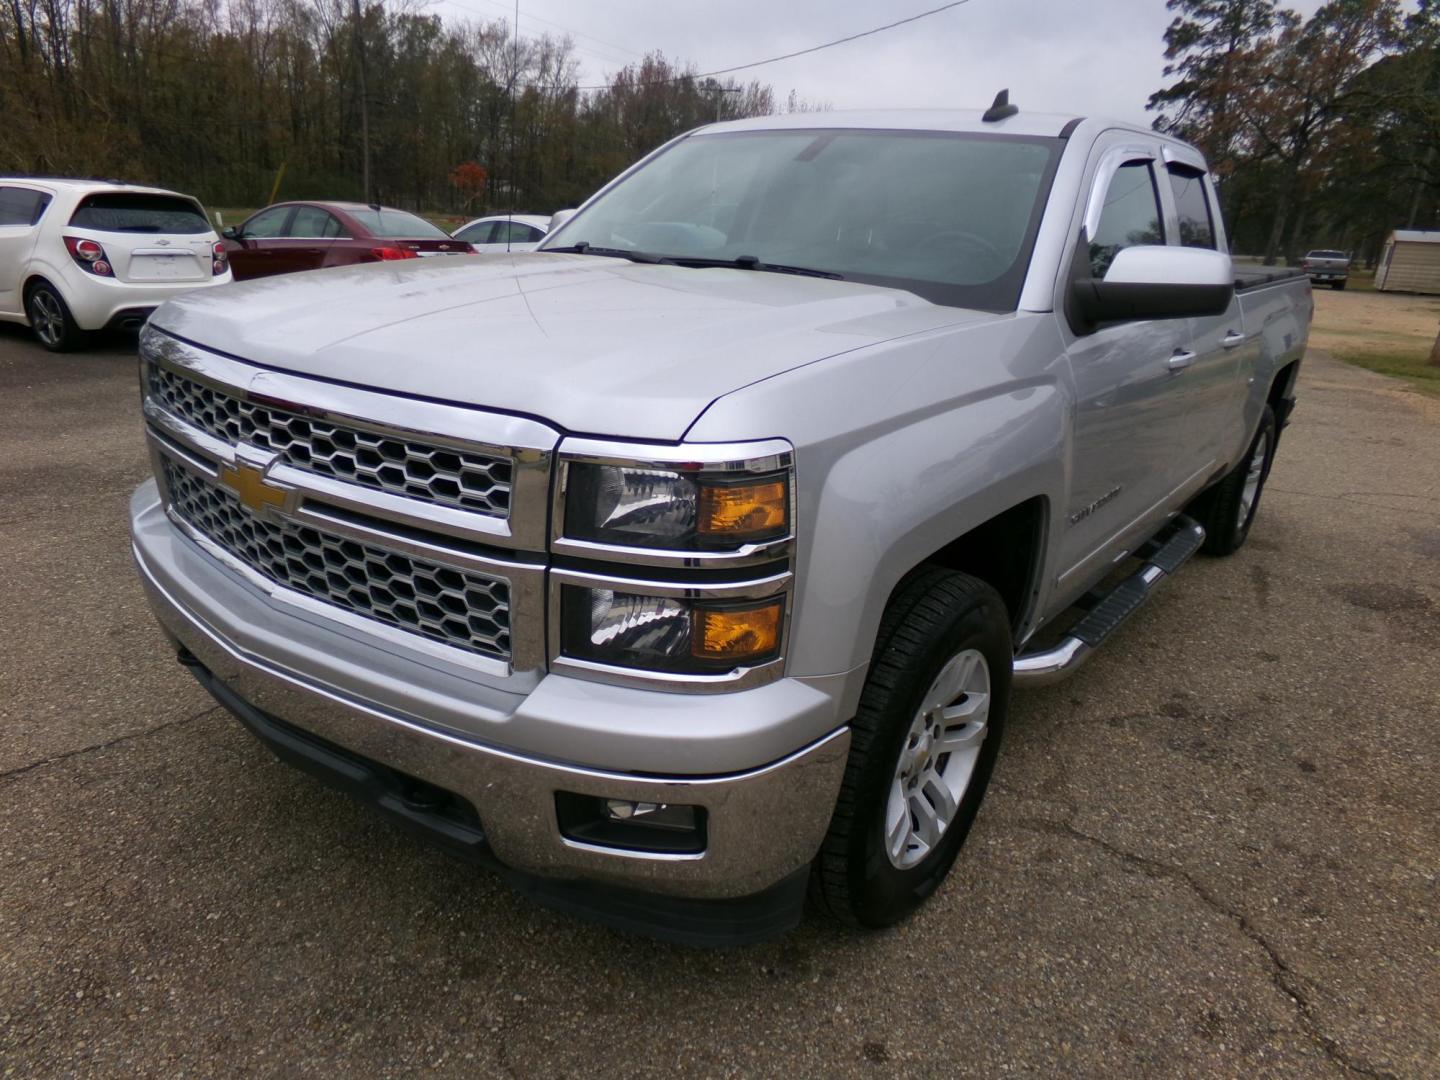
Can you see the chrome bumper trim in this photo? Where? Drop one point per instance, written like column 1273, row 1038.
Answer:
column 764, row 823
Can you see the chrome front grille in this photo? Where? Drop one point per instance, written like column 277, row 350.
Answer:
column 460, row 608
column 396, row 464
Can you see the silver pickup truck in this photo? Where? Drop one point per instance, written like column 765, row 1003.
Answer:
column 1326, row 267
column 686, row 566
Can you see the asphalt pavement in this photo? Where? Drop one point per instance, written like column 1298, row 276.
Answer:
column 1215, row 851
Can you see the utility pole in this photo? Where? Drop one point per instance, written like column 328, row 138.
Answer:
column 720, row 92
column 364, row 101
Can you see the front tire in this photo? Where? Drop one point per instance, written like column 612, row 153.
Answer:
column 923, row 745
column 50, row 319
column 1228, row 509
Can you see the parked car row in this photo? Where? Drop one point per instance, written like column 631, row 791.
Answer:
column 78, row 256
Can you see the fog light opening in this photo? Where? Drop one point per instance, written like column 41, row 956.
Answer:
column 630, row 824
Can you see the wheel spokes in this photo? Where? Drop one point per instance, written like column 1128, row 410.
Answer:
column 897, row 822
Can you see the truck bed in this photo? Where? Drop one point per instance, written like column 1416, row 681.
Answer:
column 1253, row 277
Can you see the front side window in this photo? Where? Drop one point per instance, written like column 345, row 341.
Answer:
column 267, row 223
column 1192, row 207
column 131, row 212
column 1131, row 216
column 22, row 206
column 949, row 216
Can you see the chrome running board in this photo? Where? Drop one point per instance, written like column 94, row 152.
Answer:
column 1163, row 555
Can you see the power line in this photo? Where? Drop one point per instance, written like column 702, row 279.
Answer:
column 559, row 26
column 798, row 52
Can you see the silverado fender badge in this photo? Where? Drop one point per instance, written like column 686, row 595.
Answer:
column 249, row 485
column 1083, row 513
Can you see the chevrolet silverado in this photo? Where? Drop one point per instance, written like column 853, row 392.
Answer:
column 684, row 567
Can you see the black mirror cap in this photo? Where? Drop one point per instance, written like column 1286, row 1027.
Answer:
column 1097, row 301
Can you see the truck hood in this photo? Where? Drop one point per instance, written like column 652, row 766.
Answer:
column 592, row 345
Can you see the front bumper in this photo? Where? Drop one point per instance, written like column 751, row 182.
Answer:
column 764, row 823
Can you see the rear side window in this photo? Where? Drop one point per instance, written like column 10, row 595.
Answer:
column 125, row 212
column 397, row 225
column 313, row 223
column 516, row 232
column 1197, row 226
column 21, row 206
column 1131, row 216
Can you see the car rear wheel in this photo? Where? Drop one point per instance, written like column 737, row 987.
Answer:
column 923, row 744
column 50, row 319
column 1228, row 509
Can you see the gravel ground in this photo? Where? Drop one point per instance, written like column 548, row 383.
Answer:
column 1213, row 852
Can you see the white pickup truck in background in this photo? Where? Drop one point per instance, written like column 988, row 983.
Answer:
column 685, row 566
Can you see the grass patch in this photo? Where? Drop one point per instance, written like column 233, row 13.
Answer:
column 1412, row 367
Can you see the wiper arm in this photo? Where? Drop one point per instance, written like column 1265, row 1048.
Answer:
column 584, row 247
column 752, row 262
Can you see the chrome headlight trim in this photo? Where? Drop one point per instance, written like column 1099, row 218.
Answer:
column 733, row 460
column 740, row 678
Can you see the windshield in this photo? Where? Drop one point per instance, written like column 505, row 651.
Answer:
column 1327, row 255
column 949, row 216
column 397, row 225
column 134, row 213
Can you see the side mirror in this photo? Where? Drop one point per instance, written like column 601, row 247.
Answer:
column 1156, row 282
column 559, row 218
column 230, row 232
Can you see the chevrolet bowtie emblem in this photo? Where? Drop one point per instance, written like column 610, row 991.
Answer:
column 249, row 485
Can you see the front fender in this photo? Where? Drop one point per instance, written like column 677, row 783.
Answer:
column 900, row 449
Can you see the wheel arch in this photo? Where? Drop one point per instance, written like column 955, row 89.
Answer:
column 1006, row 552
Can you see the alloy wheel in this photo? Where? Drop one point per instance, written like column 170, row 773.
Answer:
column 937, row 760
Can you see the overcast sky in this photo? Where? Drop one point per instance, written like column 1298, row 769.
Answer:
column 1098, row 57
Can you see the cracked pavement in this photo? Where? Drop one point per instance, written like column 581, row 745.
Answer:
column 1215, row 851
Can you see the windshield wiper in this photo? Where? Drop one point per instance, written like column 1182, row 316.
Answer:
column 752, row 262
column 584, row 247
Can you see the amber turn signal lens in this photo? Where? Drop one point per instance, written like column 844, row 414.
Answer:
column 737, row 634
column 743, row 511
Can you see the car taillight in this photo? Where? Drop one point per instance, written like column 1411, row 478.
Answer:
column 219, row 259
column 387, row 254
column 89, row 256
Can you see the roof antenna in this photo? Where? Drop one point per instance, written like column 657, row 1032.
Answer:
column 1001, row 109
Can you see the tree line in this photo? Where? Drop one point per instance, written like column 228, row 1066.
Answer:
column 216, row 98
column 1322, row 132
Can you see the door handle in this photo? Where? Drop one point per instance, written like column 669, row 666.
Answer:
column 1232, row 340
column 1180, row 361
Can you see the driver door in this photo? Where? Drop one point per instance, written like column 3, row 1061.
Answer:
column 252, row 251
column 1131, row 442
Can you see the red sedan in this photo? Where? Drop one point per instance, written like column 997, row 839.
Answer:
column 287, row 237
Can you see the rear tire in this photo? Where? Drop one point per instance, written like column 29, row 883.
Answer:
column 50, row 319
column 1228, row 509
column 928, row 727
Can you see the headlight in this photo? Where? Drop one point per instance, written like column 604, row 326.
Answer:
column 668, row 634
column 675, row 508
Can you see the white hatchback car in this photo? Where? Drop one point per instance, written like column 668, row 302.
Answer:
column 504, row 232
column 83, row 255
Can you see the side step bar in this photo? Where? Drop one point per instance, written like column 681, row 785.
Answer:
column 1108, row 612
